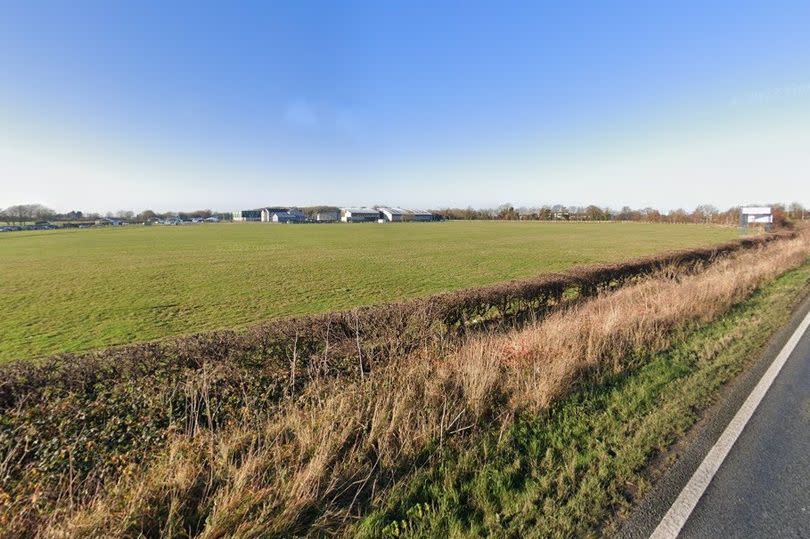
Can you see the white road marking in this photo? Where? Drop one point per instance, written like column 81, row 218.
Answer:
column 676, row 517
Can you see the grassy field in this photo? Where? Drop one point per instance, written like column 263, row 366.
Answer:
column 83, row 289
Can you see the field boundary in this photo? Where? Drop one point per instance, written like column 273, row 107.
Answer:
column 355, row 340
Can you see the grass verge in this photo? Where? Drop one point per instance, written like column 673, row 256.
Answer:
column 566, row 471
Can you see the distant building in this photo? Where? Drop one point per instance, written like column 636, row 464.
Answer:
column 396, row 215
column 421, row 216
column 327, row 216
column 267, row 214
column 393, row 215
column 359, row 215
column 109, row 222
column 292, row 215
column 247, row 215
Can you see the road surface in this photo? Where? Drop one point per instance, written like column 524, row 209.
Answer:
column 762, row 486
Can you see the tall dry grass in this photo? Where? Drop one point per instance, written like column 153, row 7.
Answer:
column 326, row 456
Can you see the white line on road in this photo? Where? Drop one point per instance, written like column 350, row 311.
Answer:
column 676, row 517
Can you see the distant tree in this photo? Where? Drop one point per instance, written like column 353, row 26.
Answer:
column 705, row 213
column 678, row 216
column 41, row 213
column 22, row 213
column 18, row 214
column 469, row 214
column 545, row 214
column 506, row 212
column 146, row 215
column 527, row 214
column 780, row 218
column 651, row 215
column 595, row 213
column 729, row 217
column 796, row 212
column 628, row 214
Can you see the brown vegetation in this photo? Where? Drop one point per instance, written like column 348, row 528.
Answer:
column 308, row 464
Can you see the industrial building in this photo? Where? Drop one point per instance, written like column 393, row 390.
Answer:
column 293, row 215
column 397, row 215
column 421, row 216
column 247, row 215
column 282, row 215
column 393, row 215
column 278, row 214
column 359, row 215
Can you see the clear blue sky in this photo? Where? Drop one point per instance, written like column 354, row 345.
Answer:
column 182, row 105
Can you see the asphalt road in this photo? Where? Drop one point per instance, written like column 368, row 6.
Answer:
column 762, row 488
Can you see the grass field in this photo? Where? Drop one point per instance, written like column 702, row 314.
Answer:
column 83, row 289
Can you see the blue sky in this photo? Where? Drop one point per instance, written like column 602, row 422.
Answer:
column 184, row 105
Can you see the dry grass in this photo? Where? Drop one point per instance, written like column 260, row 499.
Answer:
column 324, row 457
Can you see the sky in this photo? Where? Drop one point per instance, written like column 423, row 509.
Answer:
column 175, row 105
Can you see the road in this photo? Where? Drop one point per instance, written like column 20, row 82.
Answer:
column 762, row 486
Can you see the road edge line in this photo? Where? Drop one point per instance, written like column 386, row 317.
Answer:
column 675, row 519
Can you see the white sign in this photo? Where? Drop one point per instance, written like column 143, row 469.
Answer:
column 756, row 210
column 760, row 218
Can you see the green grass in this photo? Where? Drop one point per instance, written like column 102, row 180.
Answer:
column 82, row 289
column 566, row 473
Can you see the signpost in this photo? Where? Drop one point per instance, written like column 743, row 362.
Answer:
column 755, row 215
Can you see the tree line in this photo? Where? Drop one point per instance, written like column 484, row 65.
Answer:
column 28, row 213
column 704, row 213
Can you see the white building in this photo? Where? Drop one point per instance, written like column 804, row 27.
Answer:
column 396, row 215
column 393, row 215
column 359, row 215
column 327, row 216
column 283, row 215
column 268, row 213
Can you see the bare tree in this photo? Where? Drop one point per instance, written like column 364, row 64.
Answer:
column 42, row 213
column 797, row 212
column 705, row 213
column 21, row 213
